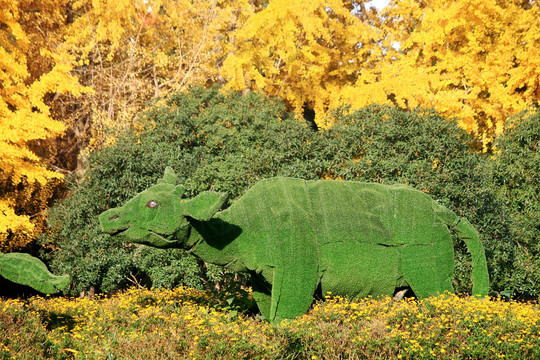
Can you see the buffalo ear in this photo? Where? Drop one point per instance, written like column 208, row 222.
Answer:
column 179, row 190
column 204, row 205
column 169, row 177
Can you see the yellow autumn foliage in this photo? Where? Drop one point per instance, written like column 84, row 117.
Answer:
column 29, row 72
column 477, row 60
column 302, row 51
column 129, row 51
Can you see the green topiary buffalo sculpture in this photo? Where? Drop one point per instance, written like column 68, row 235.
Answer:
column 297, row 238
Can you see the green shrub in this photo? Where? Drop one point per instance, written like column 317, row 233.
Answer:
column 227, row 142
column 516, row 177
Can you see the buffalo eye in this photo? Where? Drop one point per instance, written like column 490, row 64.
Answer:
column 152, row 204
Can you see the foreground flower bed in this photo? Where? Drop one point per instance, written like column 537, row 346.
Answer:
column 187, row 324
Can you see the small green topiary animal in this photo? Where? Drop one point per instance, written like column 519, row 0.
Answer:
column 297, row 238
column 27, row 270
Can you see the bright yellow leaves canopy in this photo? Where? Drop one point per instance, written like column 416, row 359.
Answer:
column 302, row 51
column 478, row 60
column 129, row 51
column 25, row 118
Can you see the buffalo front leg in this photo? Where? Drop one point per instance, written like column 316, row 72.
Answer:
column 292, row 293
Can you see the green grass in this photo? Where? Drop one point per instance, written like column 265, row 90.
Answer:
column 189, row 324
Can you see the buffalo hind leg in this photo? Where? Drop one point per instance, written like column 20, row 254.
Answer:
column 262, row 297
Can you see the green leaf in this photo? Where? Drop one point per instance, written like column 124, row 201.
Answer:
column 27, row 270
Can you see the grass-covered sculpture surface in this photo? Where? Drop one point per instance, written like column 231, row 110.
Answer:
column 28, row 270
column 297, row 238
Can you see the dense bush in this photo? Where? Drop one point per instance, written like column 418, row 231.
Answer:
column 516, row 175
column 226, row 142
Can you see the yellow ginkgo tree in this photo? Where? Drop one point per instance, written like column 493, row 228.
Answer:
column 477, row 60
column 130, row 51
column 303, row 51
column 29, row 73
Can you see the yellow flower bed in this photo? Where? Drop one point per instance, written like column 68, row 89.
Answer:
column 186, row 323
